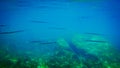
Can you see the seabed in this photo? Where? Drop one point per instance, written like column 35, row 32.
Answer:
column 95, row 52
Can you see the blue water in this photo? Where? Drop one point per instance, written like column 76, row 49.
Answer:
column 33, row 20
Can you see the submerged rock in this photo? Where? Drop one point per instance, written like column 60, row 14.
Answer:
column 93, row 44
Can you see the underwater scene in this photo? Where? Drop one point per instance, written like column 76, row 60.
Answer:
column 59, row 34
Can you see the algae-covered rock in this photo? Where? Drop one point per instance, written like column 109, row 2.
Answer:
column 62, row 43
column 92, row 44
column 100, row 47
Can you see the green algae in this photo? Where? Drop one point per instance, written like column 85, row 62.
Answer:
column 98, row 55
column 62, row 42
column 95, row 48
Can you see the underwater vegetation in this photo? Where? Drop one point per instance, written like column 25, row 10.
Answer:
column 82, row 51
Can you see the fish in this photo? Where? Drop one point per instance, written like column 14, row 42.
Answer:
column 84, row 0
column 12, row 32
column 47, row 7
column 83, row 17
column 39, row 22
column 43, row 7
column 1, row 25
column 23, row 3
column 42, row 42
column 95, row 41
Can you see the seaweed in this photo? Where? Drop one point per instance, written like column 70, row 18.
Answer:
column 66, row 55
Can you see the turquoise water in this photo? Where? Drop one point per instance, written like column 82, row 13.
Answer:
column 59, row 34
